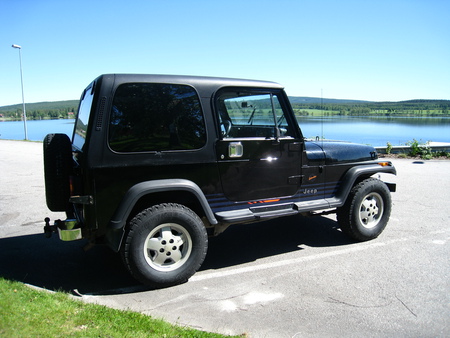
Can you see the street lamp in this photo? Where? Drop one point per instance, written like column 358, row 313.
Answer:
column 23, row 99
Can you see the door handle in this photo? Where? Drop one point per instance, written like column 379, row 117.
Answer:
column 235, row 149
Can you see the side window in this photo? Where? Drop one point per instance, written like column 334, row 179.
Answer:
column 251, row 115
column 84, row 110
column 156, row 117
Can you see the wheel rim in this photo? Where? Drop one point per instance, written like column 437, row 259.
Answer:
column 167, row 247
column 371, row 210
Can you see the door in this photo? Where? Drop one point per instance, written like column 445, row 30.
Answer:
column 259, row 153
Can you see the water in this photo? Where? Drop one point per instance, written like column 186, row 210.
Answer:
column 36, row 129
column 376, row 131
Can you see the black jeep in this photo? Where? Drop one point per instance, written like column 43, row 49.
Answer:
column 156, row 164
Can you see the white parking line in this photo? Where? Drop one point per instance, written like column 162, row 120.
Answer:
column 360, row 247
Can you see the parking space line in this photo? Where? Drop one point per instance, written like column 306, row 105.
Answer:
column 360, row 247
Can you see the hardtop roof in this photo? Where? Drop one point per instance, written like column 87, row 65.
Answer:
column 204, row 82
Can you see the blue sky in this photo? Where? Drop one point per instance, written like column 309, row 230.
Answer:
column 368, row 50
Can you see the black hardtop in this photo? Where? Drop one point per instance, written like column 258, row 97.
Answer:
column 204, row 84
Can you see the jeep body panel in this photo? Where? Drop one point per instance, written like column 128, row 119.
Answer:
column 230, row 150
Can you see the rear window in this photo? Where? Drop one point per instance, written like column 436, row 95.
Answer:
column 156, row 117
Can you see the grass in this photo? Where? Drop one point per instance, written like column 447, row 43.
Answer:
column 26, row 312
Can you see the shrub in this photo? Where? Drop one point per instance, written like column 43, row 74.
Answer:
column 388, row 148
column 422, row 150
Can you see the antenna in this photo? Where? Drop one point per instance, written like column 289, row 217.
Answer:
column 321, row 109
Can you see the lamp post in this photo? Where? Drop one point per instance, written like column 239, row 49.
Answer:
column 23, row 99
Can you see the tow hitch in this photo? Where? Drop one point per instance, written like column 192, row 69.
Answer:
column 68, row 229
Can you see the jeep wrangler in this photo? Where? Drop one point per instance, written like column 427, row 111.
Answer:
column 157, row 164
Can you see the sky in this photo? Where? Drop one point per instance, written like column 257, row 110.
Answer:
column 381, row 50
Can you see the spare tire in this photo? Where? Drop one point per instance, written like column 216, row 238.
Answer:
column 57, row 169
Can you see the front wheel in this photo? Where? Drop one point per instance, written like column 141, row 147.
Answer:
column 165, row 245
column 366, row 211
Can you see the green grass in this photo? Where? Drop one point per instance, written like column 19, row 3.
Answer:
column 26, row 312
column 314, row 112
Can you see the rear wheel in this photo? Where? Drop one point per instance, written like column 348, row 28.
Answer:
column 366, row 211
column 57, row 168
column 165, row 245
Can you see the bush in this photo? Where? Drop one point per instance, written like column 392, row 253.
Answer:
column 422, row 150
column 388, row 148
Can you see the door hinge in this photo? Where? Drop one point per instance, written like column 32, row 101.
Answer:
column 87, row 200
column 295, row 180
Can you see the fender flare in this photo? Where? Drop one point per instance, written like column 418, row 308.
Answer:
column 350, row 177
column 116, row 226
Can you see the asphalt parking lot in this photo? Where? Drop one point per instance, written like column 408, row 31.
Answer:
column 291, row 277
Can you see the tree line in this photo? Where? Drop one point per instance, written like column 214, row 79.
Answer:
column 302, row 107
column 41, row 110
column 363, row 108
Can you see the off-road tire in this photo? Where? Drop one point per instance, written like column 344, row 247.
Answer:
column 57, row 168
column 164, row 245
column 367, row 210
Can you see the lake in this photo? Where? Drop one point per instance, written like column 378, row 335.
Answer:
column 376, row 131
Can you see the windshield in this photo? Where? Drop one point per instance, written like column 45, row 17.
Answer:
column 79, row 135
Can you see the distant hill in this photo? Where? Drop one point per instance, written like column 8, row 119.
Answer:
column 306, row 100
column 59, row 105
column 302, row 104
column 55, row 105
